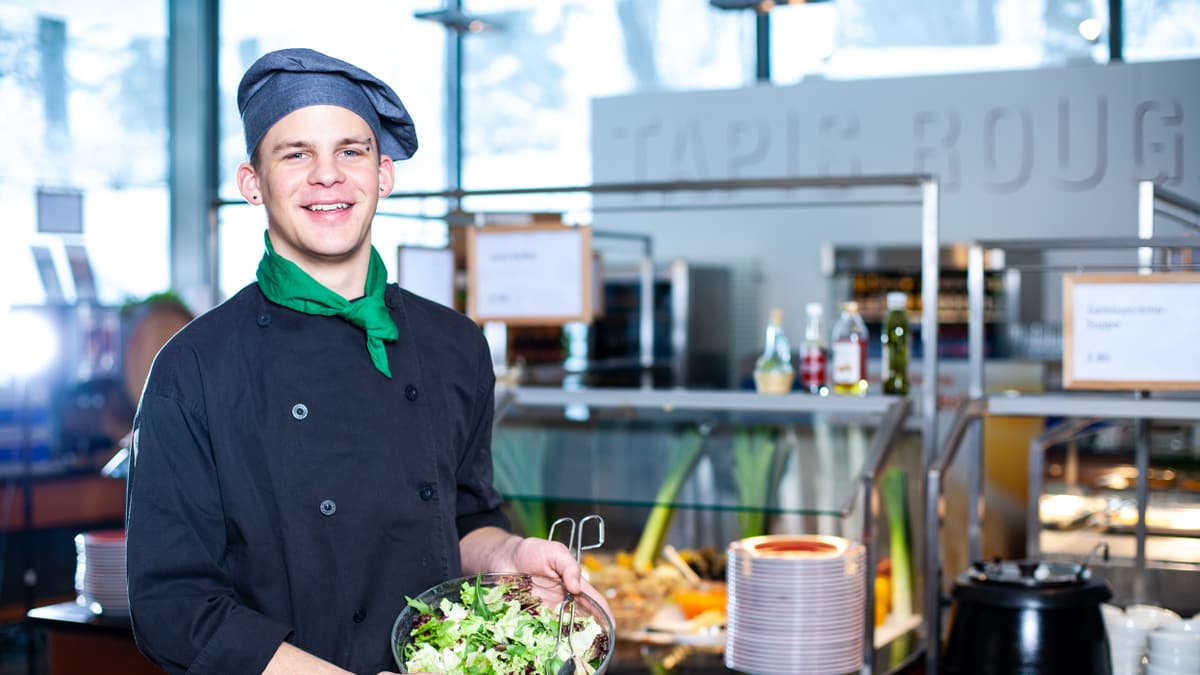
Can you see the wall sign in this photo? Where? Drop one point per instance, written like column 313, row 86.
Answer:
column 1012, row 150
column 529, row 275
column 1129, row 331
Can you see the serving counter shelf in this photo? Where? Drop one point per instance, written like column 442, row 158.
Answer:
column 817, row 460
column 1144, row 566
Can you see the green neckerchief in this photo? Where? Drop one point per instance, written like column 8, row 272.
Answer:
column 284, row 283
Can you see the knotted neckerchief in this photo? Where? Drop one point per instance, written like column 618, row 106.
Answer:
column 284, row 283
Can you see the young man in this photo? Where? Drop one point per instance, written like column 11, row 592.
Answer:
column 318, row 446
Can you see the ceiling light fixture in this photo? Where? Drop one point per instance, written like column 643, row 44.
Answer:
column 760, row 6
column 457, row 20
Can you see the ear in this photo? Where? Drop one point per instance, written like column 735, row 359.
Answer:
column 247, row 180
column 387, row 176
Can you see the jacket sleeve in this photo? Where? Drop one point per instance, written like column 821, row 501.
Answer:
column 186, row 616
column 478, row 501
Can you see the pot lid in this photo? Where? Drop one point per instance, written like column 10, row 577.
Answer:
column 1031, row 584
column 1028, row 573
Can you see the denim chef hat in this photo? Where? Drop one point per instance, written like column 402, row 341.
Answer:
column 284, row 81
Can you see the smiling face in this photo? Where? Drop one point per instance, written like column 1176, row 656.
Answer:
column 320, row 175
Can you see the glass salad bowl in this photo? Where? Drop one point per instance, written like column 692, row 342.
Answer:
column 502, row 623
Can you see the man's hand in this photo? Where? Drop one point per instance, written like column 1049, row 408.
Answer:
column 490, row 549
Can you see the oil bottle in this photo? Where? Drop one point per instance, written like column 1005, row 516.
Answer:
column 850, row 352
column 894, row 339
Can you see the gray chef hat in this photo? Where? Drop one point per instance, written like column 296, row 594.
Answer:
column 284, row 81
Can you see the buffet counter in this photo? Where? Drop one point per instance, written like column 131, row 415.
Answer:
column 79, row 641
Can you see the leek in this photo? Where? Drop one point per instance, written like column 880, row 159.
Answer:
column 682, row 456
column 895, row 504
column 521, row 482
column 757, row 464
column 892, row 488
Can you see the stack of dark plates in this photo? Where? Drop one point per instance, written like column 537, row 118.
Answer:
column 100, row 572
column 796, row 604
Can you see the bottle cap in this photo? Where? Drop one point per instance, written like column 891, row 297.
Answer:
column 897, row 300
column 814, row 309
column 850, row 306
column 777, row 315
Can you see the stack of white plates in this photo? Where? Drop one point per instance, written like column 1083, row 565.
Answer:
column 795, row 605
column 100, row 571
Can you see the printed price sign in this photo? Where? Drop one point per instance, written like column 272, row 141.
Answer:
column 529, row 275
column 1130, row 331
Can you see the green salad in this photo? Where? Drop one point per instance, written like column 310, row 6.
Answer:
column 500, row 629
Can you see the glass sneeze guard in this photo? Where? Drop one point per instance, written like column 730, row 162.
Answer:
column 619, row 447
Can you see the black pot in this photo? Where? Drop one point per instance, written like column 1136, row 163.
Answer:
column 1026, row 617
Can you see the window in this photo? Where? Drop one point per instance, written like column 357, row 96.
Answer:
column 877, row 38
column 85, row 85
column 1162, row 29
column 528, row 84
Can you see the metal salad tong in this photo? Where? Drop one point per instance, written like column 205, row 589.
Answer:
column 566, row 609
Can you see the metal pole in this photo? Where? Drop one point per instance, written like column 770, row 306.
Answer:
column 929, row 410
column 193, row 113
column 454, row 108
column 762, row 42
column 931, row 562
column 870, row 505
column 1142, row 460
column 929, row 317
column 1145, row 224
column 976, row 320
column 646, row 314
column 1116, row 30
column 975, row 357
column 1033, row 524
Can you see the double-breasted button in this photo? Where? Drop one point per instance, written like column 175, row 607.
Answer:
column 264, row 319
column 299, row 411
column 328, row 507
column 360, row 614
column 410, row 393
column 426, row 492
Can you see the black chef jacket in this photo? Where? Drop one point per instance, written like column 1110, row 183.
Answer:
column 282, row 488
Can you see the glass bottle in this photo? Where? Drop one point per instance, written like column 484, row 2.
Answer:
column 894, row 338
column 850, row 352
column 773, row 373
column 812, row 351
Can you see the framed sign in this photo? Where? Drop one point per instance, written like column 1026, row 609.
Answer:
column 428, row 272
column 1131, row 331
column 533, row 275
column 59, row 211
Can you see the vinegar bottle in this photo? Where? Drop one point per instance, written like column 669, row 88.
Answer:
column 773, row 373
column 850, row 352
column 894, row 339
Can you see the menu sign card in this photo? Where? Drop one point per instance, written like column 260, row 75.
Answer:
column 529, row 275
column 1130, row 331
